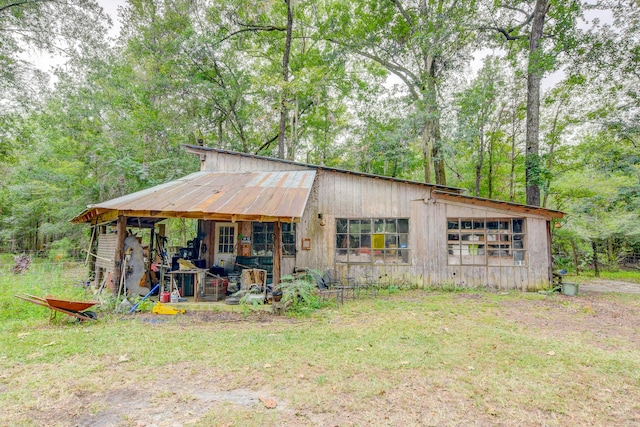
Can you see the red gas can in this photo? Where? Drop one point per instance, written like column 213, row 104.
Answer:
column 165, row 296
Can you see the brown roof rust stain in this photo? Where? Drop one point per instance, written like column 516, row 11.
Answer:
column 236, row 195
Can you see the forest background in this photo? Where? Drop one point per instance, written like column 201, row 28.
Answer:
column 443, row 91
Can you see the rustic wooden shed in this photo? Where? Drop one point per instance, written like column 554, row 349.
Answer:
column 294, row 215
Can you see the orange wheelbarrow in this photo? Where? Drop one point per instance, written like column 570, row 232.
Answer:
column 77, row 309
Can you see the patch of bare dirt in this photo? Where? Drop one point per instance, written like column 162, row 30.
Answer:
column 206, row 316
column 180, row 399
column 603, row 285
column 606, row 319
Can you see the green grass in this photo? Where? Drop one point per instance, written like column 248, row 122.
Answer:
column 624, row 275
column 62, row 279
column 414, row 357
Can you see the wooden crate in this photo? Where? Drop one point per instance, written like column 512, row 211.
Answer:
column 215, row 289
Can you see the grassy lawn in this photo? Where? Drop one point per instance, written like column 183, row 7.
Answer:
column 413, row 358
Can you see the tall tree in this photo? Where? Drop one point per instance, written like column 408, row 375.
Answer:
column 418, row 42
column 49, row 27
column 285, row 78
column 531, row 24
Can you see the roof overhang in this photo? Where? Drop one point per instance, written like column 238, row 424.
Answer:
column 220, row 196
column 497, row 204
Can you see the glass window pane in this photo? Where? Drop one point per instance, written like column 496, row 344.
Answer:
column 478, row 224
column 466, row 225
column 518, row 225
column 391, row 240
column 374, row 240
column 342, row 241
column 518, row 241
column 391, row 226
column 453, row 224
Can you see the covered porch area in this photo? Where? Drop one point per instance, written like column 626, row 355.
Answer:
column 245, row 221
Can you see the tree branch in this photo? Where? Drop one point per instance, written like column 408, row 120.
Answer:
column 19, row 3
column 505, row 33
column 270, row 141
column 522, row 24
column 267, row 144
column 403, row 12
column 251, row 28
column 517, row 9
column 399, row 71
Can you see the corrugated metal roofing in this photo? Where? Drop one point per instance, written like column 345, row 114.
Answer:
column 479, row 201
column 200, row 149
column 261, row 196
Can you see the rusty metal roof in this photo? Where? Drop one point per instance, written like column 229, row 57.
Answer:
column 197, row 149
column 225, row 196
column 498, row 204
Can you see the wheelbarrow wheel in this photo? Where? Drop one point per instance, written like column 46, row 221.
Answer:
column 88, row 315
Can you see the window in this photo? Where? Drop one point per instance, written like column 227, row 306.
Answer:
column 372, row 240
column 226, row 239
column 262, row 236
column 486, row 241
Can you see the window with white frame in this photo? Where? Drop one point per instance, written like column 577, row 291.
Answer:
column 486, row 241
column 372, row 240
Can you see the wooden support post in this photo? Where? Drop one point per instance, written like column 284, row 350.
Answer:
column 209, row 241
column 121, row 232
column 152, row 250
column 277, row 252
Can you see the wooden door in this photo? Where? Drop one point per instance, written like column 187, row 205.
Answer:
column 225, row 245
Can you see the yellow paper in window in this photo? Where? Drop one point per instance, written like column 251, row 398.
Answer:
column 378, row 241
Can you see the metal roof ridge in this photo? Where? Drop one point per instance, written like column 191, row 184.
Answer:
column 194, row 148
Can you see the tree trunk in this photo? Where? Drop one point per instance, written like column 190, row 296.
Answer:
column 552, row 146
column 512, row 172
column 480, row 161
column 427, row 151
column 490, row 172
column 285, row 78
column 596, row 269
column 432, row 138
column 574, row 252
column 534, row 77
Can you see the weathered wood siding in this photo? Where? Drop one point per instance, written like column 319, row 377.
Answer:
column 106, row 251
column 349, row 195
column 216, row 162
column 531, row 276
column 340, row 195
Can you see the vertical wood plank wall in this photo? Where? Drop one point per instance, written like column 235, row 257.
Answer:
column 350, row 195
